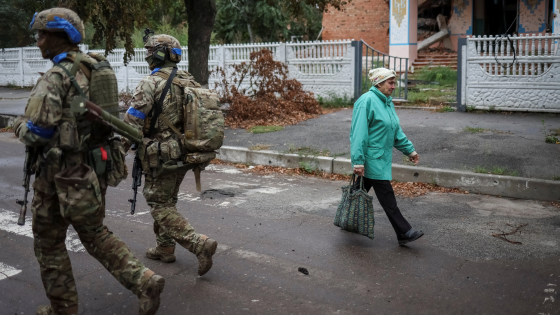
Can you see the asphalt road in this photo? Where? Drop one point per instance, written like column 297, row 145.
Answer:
column 268, row 226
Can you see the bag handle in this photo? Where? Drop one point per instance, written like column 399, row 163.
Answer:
column 353, row 180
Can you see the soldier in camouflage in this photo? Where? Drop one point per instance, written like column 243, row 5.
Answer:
column 162, row 148
column 66, row 189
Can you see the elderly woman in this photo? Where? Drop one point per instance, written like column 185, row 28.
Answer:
column 375, row 131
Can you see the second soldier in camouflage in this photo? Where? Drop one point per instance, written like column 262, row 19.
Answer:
column 163, row 147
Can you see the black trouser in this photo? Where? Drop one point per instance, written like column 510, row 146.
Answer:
column 386, row 196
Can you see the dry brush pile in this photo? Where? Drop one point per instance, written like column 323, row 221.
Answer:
column 259, row 92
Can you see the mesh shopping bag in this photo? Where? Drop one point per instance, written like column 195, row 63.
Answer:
column 355, row 211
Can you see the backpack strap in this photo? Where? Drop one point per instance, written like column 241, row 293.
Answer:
column 166, row 76
column 158, row 107
column 72, row 73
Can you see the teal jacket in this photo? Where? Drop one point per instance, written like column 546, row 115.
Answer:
column 375, row 131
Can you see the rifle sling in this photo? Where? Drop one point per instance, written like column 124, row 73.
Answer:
column 158, row 108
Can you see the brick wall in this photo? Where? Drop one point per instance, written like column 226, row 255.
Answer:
column 361, row 19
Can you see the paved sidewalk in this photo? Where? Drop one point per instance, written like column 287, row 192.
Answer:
column 515, row 141
column 12, row 102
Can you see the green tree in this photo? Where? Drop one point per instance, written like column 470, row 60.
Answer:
column 15, row 16
column 115, row 21
column 252, row 21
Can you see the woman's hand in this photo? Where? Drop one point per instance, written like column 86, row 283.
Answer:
column 359, row 170
column 414, row 159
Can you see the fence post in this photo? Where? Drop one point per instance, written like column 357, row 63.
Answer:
column 222, row 55
column 282, row 51
column 21, row 73
column 126, row 77
column 358, row 47
column 461, row 61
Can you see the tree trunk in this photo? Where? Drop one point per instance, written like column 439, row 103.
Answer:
column 251, row 38
column 201, row 15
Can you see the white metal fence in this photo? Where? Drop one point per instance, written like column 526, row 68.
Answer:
column 515, row 73
column 325, row 68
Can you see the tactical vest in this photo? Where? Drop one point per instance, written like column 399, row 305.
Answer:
column 103, row 153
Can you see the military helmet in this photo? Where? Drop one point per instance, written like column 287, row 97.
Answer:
column 170, row 42
column 59, row 20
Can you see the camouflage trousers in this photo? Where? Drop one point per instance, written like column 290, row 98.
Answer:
column 84, row 209
column 169, row 225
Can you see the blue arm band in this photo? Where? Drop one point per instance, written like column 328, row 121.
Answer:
column 59, row 57
column 62, row 24
column 32, row 21
column 155, row 70
column 41, row 132
column 136, row 113
column 176, row 51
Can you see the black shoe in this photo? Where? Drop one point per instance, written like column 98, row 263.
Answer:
column 410, row 236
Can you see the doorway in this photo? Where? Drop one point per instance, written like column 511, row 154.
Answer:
column 495, row 17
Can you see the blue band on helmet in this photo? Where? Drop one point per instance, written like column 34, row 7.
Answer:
column 46, row 133
column 176, row 51
column 59, row 57
column 155, row 70
column 62, row 24
column 32, row 21
column 136, row 113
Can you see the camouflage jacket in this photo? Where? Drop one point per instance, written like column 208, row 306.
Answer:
column 48, row 106
column 44, row 110
column 148, row 93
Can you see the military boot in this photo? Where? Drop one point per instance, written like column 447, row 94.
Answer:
column 45, row 310
column 205, row 256
column 149, row 296
column 165, row 254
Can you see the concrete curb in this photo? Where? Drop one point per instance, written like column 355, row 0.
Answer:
column 507, row 186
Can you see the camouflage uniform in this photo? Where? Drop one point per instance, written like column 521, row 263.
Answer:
column 68, row 191
column 161, row 188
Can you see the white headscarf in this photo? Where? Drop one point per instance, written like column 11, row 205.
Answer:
column 379, row 75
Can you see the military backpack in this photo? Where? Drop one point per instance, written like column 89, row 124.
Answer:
column 203, row 123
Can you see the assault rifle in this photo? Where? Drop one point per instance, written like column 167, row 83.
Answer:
column 30, row 159
column 136, row 178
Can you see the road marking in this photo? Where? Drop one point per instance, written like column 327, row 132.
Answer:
column 7, row 271
column 8, row 223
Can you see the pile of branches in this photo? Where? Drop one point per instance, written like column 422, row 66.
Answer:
column 260, row 93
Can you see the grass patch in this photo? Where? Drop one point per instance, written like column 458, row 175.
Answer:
column 307, row 151
column 265, row 129
column 551, row 139
column 556, row 177
column 432, row 94
column 555, row 132
column 444, row 75
column 496, row 170
column 335, row 101
column 474, row 129
column 259, row 147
